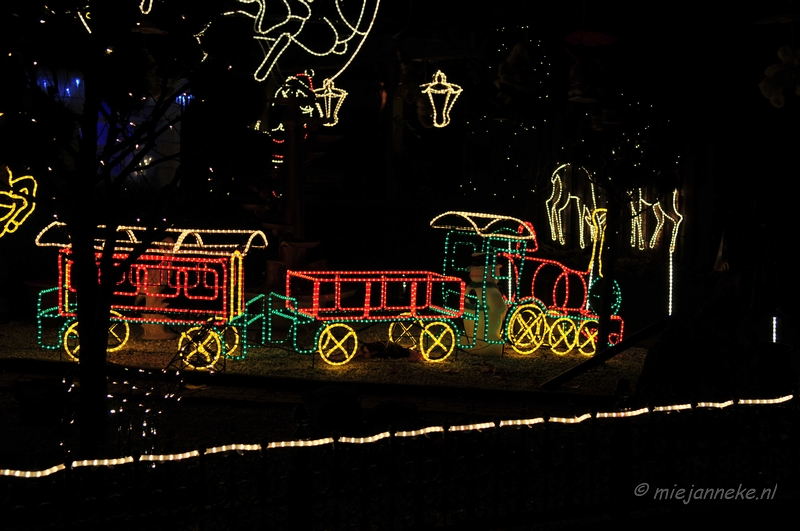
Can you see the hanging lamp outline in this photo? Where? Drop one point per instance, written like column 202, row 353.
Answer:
column 328, row 94
column 451, row 92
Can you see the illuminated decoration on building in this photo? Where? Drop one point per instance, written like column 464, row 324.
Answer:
column 192, row 279
column 332, row 99
column 462, row 428
column 440, row 87
column 145, row 6
column 565, row 323
column 347, row 34
column 560, row 199
column 17, row 203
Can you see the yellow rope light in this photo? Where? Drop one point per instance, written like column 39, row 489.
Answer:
column 471, row 427
column 364, row 440
column 329, row 94
column 423, row 431
column 765, row 401
column 17, row 203
column 623, row 414
column 679, row 407
column 571, row 420
column 384, row 435
column 486, row 224
column 102, row 462
column 170, row 457
column 522, row 422
column 31, row 473
column 278, row 37
column 237, row 447
column 440, row 86
column 298, row 444
column 720, row 405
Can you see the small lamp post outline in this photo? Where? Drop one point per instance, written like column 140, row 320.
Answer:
column 439, row 85
column 327, row 94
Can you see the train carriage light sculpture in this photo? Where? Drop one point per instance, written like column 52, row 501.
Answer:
column 193, row 280
column 512, row 296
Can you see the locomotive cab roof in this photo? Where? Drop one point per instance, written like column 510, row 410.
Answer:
column 492, row 226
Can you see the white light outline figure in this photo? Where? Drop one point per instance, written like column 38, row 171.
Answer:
column 277, row 45
column 451, row 92
column 557, row 203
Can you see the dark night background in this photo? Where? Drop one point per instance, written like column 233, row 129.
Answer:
column 687, row 71
column 699, row 69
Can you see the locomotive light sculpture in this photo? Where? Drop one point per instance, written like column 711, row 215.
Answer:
column 513, row 297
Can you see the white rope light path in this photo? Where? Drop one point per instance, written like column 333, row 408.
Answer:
column 439, row 86
column 384, row 435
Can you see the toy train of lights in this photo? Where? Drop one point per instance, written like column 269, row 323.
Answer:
column 492, row 291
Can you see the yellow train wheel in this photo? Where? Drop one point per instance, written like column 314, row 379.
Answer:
column 402, row 333
column 527, row 328
column 72, row 345
column 118, row 334
column 587, row 337
column 200, row 348
column 437, row 341
column 232, row 340
column 563, row 335
column 337, row 343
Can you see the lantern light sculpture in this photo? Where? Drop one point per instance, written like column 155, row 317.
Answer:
column 451, row 92
column 332, row 99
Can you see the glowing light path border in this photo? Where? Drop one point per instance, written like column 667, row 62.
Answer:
column 160, row 458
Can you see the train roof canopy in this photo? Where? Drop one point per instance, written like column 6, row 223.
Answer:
column 209, row 242
column 485, row 225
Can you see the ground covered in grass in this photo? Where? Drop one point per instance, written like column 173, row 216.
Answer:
column 463, row 368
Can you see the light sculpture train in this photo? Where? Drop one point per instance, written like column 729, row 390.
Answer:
column 188, row 282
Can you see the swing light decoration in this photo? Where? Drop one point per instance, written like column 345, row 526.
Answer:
column 438, row 87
